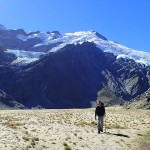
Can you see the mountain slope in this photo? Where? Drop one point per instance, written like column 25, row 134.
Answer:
column 62, row 79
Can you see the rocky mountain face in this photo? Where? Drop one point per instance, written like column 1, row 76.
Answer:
column 8, row 102
column 108, row 98
column 140, row 102
column 5, row 59
column 69, row 77
column 11, row 39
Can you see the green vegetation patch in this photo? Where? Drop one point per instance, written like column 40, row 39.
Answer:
column 148, row 135
column 145, row 143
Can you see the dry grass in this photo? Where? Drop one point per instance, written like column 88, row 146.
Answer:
column 26, row 138
column 35, row 139
column 83, row 123
column 148, row 135
column 114, row 126
column 46, row 129
column 12, row 125
column 66, row 146
column 144, row 142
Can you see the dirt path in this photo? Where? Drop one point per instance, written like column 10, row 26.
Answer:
column 55, row 129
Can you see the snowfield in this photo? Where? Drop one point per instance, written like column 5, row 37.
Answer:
column 75, row 128
column 24, row 57
column 84, row 36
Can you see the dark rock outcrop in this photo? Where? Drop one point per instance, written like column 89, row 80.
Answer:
column 108, row 98
column 10, row 40
column 101, row 36
column 140, row 102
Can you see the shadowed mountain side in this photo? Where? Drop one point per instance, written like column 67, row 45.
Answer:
column 7, row 102
column 5, row 58
column 69, row 78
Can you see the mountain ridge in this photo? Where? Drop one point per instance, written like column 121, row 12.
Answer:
column 53, row 41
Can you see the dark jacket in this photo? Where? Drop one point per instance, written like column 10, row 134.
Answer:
column 100, row 111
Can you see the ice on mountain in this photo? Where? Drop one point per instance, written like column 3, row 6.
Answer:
column 24, row 57
column 89, row 36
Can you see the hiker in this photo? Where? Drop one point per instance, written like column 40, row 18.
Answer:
column 100, row 112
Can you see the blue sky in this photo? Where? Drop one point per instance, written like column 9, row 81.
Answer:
column 124, row 21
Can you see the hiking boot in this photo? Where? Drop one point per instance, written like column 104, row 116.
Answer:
column 102, row 130
column 98, row 131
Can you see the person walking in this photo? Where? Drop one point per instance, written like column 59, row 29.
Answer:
column 100, row 112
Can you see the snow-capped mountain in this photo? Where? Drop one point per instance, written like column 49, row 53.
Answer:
column 54, row 41
column 89, row 36
column 55, row 70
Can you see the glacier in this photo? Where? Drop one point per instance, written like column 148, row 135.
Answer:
column 89, row 36
column 24, row 57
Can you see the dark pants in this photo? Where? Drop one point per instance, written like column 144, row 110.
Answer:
column 100, row 123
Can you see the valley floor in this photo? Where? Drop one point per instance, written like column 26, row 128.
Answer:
column 75, row 128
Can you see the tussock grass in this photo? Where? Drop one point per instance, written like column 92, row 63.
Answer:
column 26, row 138
column 145, row 142
column 12, row 125
column 66, row 146
column 80, row 138
column 67, row 138
column 83, row 123
column 148, row 135
column 122, row 140
column 114, row 126
column 28, row 146
column 33, row 142
column 74, row 143
column 35, row 139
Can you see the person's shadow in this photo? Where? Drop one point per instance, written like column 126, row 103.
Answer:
column 121, row 135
